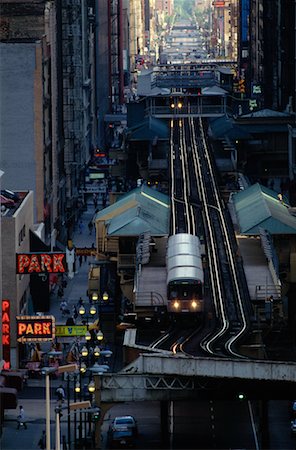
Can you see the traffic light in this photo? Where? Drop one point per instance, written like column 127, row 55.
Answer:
column 241, row 396
column 96, row 415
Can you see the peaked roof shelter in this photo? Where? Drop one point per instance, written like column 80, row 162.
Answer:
column 258, row 207
column 141, row 210
column 147, row 130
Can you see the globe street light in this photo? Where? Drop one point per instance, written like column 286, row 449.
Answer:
column 84, row 352
column 100, row 335
column 94, row 296
column 81, row 310
column 87, row 336
column 93, row 310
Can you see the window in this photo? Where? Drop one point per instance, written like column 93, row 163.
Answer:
column 22, row 234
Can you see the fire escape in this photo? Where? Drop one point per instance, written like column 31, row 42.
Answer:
column 116, row 55
column 72, row 100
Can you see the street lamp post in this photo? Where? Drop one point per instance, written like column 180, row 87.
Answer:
column 95, row 387
column 58, row 431
column 47, row 371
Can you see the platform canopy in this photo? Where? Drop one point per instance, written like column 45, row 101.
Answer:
column 141, row 210
column 258, row 207
column 147, row 130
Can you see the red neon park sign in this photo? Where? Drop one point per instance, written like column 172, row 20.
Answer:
column 41, row 263
column 6, row 332
column 35, row 328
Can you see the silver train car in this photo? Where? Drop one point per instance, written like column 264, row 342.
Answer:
column 185, row 276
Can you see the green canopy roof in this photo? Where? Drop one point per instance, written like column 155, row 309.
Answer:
column 149, row 129
column 259, row 207
column 141, row 210
column 225, row 126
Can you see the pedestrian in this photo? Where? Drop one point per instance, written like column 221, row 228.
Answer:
column 104, row 200
column 74, row 310
column 21, row 421
column 64, row 283
column 95, row 200
column 90, row 226
column 60, row 292
column 64, row 308
column 60, row 392
column 80, row 260
column 80, row 226
column 42, row 440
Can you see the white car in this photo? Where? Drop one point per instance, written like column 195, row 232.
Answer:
column 124, row 421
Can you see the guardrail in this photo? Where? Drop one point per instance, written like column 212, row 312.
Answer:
column 151, row 298
column 193, row 110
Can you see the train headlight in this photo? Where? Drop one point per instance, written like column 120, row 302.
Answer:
column 180, row 105
column 194, row 304
column 172, row 105
column 176, row 304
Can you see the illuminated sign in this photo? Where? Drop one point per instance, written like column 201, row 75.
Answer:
column 75, row 330
column 41, row 262
column 219, row 3
column 6, row 333
column 35, row 328
column 86, row 251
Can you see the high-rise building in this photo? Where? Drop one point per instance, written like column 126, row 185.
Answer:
column 26, row 135
column 48, row 113
column 167, row 6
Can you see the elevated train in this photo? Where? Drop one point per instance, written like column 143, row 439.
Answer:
column 185, row 276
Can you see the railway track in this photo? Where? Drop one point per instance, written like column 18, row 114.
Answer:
column 197, row 208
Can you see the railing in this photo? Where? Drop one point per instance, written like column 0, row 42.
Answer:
column 149, row 297
column 264, row 292
column 126, row 261
column 194, row 110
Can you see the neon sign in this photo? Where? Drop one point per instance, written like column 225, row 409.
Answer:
column 40, row 263
column 35, row 328
column 6, row 332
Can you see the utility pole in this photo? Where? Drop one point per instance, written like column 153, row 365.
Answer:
column 98, row 423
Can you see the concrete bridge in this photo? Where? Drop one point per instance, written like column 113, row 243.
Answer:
column 159, row 376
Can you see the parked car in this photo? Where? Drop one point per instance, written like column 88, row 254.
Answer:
column 121, row 436
column 125, row 421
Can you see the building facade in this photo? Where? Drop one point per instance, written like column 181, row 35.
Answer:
column 16, row 223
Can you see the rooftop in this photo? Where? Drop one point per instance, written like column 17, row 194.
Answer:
column 259, row 207
column 10, row 201
column 143, row 209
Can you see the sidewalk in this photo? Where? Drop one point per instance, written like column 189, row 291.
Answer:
column 77, row 286
column 32, row 398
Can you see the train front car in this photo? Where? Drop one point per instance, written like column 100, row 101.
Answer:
column 185, row 277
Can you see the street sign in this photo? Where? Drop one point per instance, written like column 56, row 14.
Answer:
column 75, row 330
column 48, row 262
column 85, row 251
column 35, row 328
column 80, row 405
column 93, row 189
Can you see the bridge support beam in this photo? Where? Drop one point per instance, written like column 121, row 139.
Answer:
column 264, row 427
column 164, row 420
